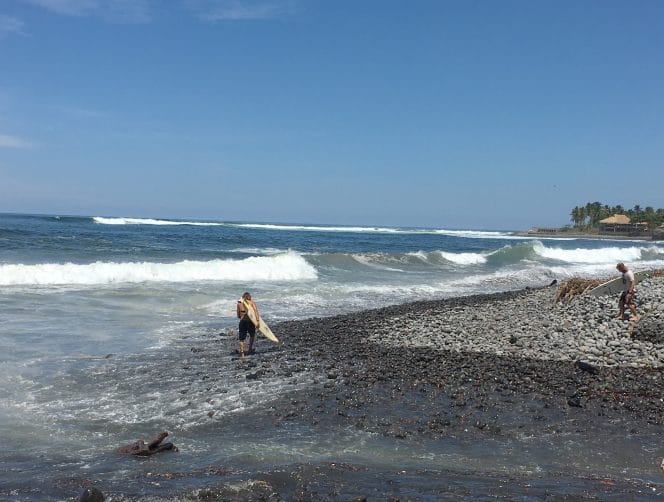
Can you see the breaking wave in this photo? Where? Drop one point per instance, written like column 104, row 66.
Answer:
column 526, row 252
column 479, row 234
column 316, row 228
column 149, row 221
column 601, row 255
column 284, row 267
column 449, row 257
column 275, row 265
column 537, row 251
column 471, row 234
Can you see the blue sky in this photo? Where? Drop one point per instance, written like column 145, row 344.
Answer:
column 469, row 114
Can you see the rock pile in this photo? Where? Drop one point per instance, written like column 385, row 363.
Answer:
column 422, row 363
column 533, row 325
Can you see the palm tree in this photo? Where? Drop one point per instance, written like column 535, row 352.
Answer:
column 650, row 216
column 590, row 214
column 574, row 216
column 637, row 210
column 583, row 214
column 593, row 210
column 589, row 211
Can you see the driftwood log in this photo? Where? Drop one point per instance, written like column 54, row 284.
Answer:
column 142, row 449
column 575, row 286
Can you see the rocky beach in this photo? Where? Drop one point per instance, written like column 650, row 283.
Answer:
column 495, row 365
column 547, row 400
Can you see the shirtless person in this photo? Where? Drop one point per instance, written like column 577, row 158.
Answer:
column 629, row 292
column 246, row 326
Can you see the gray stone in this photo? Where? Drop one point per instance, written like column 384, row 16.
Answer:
column 92, row 495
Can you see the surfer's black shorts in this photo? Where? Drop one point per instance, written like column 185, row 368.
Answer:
column 246, row 326
column 623, row 297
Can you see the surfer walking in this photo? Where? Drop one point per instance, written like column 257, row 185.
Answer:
column 628, row 293
column 247, row 327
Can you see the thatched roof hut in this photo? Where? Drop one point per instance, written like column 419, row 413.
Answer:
column 616, row 219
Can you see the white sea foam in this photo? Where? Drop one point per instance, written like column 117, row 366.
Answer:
column 221, row 307
column 373, row 260
column 457, row 258
column 283, row 267
column 316, row 228
column 149, row 221
column 580, row 255
column 420, row 255
column 463, row 258
column 480, row 234
column 355, row 295
column 471, row 234
column 258, row 251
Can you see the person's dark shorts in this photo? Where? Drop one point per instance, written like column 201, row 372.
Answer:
column 246, row 326
column 623, row 297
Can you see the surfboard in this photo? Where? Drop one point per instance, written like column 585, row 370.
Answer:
column 263, row 328
column 615, row 286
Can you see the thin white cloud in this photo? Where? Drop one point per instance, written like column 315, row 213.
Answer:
column 239, row 10
column 82, row 113
column 10, row 26
column 8, row 141
column 120, row 11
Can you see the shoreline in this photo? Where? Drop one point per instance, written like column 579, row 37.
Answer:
column 575, row 235
column 497, row 395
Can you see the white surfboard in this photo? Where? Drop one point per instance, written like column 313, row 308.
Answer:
column 615, row 286
column 263, row 327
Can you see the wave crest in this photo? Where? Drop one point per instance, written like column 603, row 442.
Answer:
column 525, row 252
column 284, row 267
column 150, row 221
column 580, row 255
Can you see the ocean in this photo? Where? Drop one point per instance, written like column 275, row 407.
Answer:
column 98, row 313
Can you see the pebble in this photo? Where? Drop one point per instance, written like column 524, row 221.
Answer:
column 533, row 326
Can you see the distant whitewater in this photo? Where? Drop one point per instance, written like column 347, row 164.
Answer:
column 329, row 268
column 149, row 221
column 308, row 228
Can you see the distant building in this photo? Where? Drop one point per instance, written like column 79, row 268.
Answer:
column 622, row 223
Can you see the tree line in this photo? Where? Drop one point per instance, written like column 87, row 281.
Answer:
column 589, row 216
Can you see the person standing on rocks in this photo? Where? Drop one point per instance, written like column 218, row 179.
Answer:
column 246, row 325
column 628, row 294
